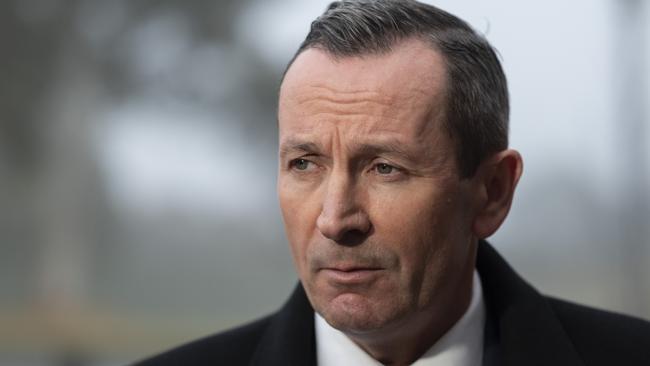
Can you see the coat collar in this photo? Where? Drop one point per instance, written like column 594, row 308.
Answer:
column 528, row 331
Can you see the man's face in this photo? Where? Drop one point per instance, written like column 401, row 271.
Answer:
column 378, row 220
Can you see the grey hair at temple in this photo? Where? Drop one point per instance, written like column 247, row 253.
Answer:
column 477, row 105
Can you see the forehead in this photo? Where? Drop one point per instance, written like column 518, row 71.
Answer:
column 401, row 91
column 412, row 67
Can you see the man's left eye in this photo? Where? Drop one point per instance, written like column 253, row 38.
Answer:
column 383, row 168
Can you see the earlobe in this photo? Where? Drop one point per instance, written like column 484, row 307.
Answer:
column 498, row 179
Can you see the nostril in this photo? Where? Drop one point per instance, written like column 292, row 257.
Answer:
column 350, row 231
column 347, row 229
column 352, row 238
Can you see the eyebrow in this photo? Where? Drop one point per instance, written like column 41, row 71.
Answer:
column 292, row 145
column 390, row 146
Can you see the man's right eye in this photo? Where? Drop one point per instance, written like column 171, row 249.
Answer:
column 300, row 164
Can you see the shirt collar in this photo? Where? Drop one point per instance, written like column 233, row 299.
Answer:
column 462, row 345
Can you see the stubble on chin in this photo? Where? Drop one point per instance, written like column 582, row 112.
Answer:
column 356, row 312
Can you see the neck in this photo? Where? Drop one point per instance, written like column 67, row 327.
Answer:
column 404, row 343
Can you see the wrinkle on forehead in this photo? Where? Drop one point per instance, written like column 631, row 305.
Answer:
column 338, row 95
column 324, row 99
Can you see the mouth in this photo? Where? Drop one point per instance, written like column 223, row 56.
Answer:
column 350, row 275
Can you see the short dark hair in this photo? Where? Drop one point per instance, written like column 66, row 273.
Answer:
column 477, row 105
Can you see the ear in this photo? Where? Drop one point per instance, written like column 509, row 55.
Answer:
column 496, row 177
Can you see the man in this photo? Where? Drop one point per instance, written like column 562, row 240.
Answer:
column 394, row 167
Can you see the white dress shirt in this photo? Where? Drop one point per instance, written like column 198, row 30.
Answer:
column 462, row 345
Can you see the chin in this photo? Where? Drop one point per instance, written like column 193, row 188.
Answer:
column 352, row 313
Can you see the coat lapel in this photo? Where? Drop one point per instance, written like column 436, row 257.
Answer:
column 528, row 329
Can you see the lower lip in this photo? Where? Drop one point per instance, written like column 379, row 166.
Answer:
column 350, row 277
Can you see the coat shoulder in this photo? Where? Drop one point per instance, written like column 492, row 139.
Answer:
column 603, row 337
column 232, row 347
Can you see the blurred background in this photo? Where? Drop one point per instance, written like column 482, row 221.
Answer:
column 138, row 158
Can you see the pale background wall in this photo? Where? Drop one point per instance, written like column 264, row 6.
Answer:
column 137, row 164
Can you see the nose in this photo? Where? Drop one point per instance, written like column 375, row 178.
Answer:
column 342, row 218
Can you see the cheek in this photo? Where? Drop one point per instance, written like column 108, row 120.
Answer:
column 422, row 226
column 299, row 214
column 415, row 213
